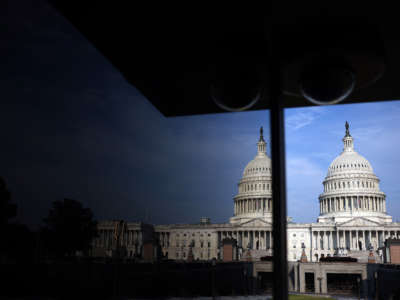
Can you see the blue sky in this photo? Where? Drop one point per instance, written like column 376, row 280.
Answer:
column 313, row 138
column 74, row 128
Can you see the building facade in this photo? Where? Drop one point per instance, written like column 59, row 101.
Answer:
column 352, row 220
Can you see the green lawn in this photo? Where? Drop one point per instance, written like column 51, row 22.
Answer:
column 307, row 297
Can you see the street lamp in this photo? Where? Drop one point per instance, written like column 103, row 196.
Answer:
column 376, row 285
column 359, row 288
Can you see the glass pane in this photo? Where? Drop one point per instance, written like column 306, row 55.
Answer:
column 78, row 138
column 341, row 187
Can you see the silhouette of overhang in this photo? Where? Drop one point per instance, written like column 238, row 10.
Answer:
column 168, row 53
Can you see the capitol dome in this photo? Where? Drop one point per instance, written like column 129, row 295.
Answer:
column 351, row 189
column 254, row 198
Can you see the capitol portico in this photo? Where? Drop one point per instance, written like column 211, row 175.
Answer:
column 352, row 218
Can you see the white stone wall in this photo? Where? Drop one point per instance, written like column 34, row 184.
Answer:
column 205, row 243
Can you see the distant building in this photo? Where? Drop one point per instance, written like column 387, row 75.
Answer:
column 353, row 218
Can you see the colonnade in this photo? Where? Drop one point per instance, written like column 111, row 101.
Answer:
column 352, row 239
column 107, row 238
column 252, row 205
column 352, row 203
column 163, row 238
column 255, row 239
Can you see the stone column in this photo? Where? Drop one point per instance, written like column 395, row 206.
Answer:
column 344, row 239
column 364, row 240
column 323, row 238
column 358, row 239
column 326, row 240
column 351, row 239
column 369, row 237
column 296, row 279
column 272, row 239
column 302, row 281
column 337, row 238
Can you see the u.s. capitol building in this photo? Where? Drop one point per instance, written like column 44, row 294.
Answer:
column 352, row 219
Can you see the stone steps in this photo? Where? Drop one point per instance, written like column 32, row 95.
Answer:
column 362, row 256
column 257, row 254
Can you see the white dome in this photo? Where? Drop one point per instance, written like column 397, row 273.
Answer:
column 254, row 198
column 349, row 162
column 259, row 166
column 351, row 189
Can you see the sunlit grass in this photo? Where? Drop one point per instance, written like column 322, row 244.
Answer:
column 307, row 297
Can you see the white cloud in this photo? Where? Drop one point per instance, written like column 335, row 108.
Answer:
column 296, row 119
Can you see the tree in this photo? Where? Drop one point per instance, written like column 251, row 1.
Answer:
column 68, row 228
column 7, row 209
column 17, row 240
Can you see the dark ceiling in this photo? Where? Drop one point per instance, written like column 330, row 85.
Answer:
column 170, row 53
